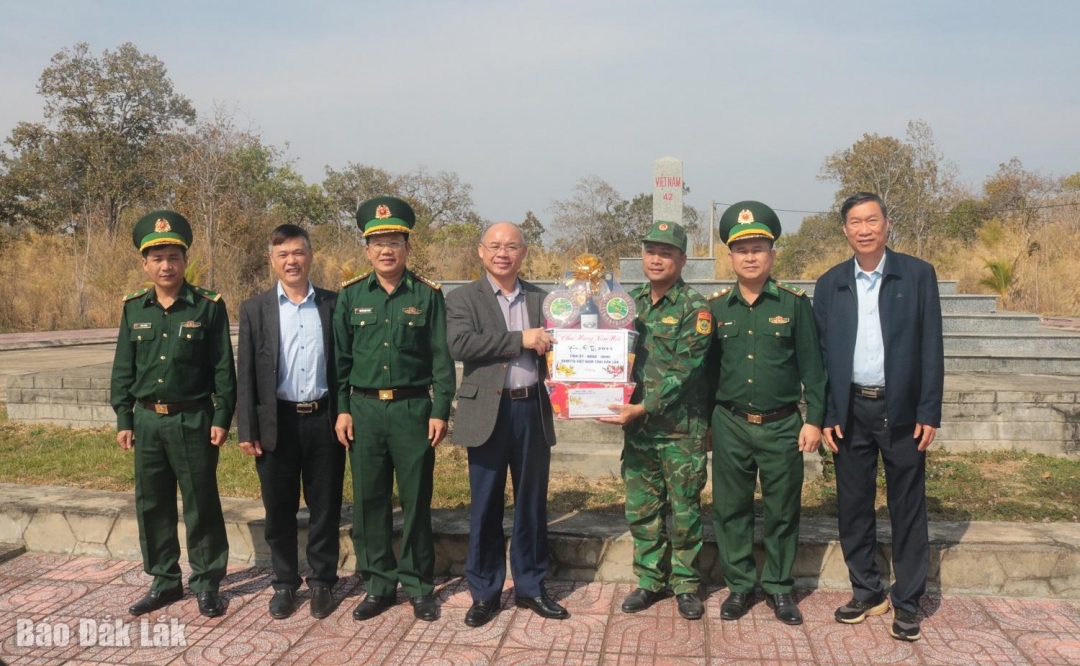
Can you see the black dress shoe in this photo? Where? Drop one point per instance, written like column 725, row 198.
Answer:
column 855, row 611
column 424, row 608
column 543, row 606
column 690, row 606
column 373, row 605
column 322, row 602
column 282, row 604
column 784, row 607
column 156, row 599
column 481, row 612
column 640, row 599
column 736, row 605
column 210, row 604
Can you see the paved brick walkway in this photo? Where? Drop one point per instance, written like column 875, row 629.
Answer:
column 46, row 591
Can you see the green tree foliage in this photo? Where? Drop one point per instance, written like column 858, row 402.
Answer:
column 963, row 221
column 1013, row 192
column 597, row 219
column 533, row 230
column 817, row 237
column 104, row 118
column 910, row 175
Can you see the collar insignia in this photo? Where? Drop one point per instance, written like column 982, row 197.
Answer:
column 745, row 216
column 382, row 212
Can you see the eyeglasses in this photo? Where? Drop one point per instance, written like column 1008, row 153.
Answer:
column 387, row 245
column 511, row 248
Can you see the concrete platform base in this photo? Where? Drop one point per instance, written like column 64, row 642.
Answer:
column 1008, row 559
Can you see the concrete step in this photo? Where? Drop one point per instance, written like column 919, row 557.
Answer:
column 968, row 303
column 9, row 551
column 995, row 322
column 1043, row 343
column 1010, row 559
column 1062, row 364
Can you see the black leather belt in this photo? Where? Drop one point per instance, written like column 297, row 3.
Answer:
column 170, row 408
column 304, row 407
column 872, row 392
column 761, row 419
column 392, row 393
column 521, row 393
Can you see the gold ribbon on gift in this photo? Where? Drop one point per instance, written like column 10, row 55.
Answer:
column 587, row 268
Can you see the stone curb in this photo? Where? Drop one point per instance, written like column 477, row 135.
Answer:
column 1007, row 559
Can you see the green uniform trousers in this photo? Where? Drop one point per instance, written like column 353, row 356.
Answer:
column 391, row 437
column 740, row 451
column 665, row 477
column 171, row 450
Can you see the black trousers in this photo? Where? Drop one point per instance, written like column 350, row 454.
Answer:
column 865, row 436
column 307, row 452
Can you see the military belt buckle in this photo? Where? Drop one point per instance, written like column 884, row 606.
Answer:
column 161, row 408
column 386, row 394
column 754, row 418
column 519, row 393
column 306, row 407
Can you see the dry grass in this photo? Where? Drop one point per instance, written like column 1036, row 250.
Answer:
column 970, row 486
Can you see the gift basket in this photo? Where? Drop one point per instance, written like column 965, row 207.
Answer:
column 591, row 319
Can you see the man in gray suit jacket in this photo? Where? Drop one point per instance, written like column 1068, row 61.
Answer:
column 495, row 327
column 286, row 419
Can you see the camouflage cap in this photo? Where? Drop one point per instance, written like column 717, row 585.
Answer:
column 161, row 227
column 748, row 219
column 385, row 215
column 669, row 233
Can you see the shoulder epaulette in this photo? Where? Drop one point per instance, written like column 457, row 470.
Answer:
column 718, row 294
column 431, row 283
column 141, row 292
column 798, row 291
column 211, row 296
column 356, row 279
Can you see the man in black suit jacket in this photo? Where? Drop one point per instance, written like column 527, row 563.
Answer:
column 879, row 320
column 286, row 418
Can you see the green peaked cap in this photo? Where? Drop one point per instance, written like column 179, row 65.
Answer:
column 748, row 219
column 161, row 227
column 385, row 215
column 669, row 233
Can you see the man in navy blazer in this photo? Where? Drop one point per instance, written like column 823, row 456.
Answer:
column 879, row 320
column 286, row 414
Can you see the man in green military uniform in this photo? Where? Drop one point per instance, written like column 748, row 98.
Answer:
column 390, row 345
column 765, row 355
column 664, row 450
column 174, row 392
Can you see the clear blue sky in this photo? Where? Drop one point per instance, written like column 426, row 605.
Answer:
column 521, row 99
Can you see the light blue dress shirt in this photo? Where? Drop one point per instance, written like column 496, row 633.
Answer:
column 301, row 357
column 869, row 362
column 522, row 370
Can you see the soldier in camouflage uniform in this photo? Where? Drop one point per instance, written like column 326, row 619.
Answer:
column 764, row 357
column 664, row 453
